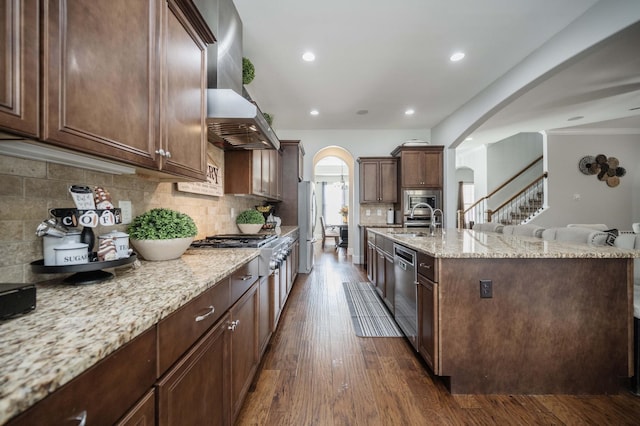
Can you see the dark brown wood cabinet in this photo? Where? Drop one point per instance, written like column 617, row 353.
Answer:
column 292, row 173
column 150, row 116
column 428, row 310
column 104, row 393
column 243, row 317
column 254, row 172
column 264, row 319
column 143, row 413
column 420, row 167
column 378, row 179
column 196, row 389
column 19, row 64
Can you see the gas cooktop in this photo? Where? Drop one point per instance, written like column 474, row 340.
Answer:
column 235, row 240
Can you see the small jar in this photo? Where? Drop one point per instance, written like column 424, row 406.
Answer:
column 122, row 243
column 49, row 243
column 71, row 254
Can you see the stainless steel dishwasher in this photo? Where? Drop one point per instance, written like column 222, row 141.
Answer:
column 406, row 306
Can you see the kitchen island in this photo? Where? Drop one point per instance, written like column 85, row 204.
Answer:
column 73, row 328
column 557, row 317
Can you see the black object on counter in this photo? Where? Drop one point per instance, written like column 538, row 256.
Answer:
column 16, row 299
column 85, row 273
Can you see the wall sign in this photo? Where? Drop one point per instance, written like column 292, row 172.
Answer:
column 213, row 186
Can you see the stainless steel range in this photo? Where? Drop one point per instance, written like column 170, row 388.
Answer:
column 273, row 249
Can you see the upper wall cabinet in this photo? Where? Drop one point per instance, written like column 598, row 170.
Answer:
column 126, row 80
column 378, row 179
column 420, row 167
column 19, row 64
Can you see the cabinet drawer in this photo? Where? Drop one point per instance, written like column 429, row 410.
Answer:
column 103, row 393
column 180, row 330
column 243, row 278
column 427, row 266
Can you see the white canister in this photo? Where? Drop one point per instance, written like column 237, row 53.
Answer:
column 71, row 254
column 122, row 242
column 49, row 243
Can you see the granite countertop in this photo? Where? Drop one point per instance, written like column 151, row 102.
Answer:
column 465, row 243
column 74, row 327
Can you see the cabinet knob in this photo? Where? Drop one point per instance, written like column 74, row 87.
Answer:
column 424, row 265
column 160, row 152
column 167, row 154
column 233, row 325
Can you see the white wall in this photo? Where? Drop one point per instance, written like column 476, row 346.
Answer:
column 616, row 207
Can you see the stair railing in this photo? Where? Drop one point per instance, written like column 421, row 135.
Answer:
column 478, row 212
column 519, row 207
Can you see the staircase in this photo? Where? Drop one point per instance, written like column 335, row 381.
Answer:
column 517, row 209
column 527, row 209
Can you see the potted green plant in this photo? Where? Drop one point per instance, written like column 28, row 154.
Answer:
column 248, row 71
column 162, row 234
column 250, row 221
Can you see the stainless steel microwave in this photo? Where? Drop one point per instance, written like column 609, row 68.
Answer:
column 412, row 197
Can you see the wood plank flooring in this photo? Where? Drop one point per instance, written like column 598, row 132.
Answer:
column 317, row 372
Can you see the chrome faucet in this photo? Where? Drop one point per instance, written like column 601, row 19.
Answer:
column 432, row 223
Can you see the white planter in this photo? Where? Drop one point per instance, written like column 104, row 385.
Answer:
column 161, row 249
column 249, row 228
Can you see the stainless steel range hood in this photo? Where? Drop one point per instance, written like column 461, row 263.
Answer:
column 234, row 122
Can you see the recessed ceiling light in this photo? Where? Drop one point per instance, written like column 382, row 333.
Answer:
column 409, row 112
column 362, row 112
column 469, row 138
column 458, row 56
column 577, row 117
column 314, row 112
column 309, row 56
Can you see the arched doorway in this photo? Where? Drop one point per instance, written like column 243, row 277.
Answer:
column 343, row 163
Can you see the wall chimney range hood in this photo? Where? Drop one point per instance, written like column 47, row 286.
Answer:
column 234, row 122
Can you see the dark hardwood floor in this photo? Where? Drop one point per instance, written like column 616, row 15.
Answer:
column 317, row 372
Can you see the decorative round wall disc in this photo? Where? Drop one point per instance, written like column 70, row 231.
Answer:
column 584, row 164
column 613, row 162
column 601, row 158
column 613, row 181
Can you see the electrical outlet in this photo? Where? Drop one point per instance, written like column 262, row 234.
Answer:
column 486, row 289
column 379, row 212
column 125, row 210
column 233, row 213
column 368, row 212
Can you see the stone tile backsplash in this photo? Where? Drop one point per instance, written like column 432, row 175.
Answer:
column 28, row 189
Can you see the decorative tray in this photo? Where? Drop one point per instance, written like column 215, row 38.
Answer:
column 85, row 273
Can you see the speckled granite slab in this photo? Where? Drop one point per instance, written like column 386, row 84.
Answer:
column 465, row 243
column 74, row 327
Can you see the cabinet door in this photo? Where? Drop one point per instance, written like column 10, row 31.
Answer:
column 390, row 283
column 143, row 413
column 197, row 388
column 264, row 323
column 388, row 181
column 257, row 179
column 100, row 82
column 428, row 321
column 371, row 262
column 244, row 346
column 380, row 273
column 19, row 64
column 183, row 104
column 412, row 169
column 433, row 169
column 369, row 176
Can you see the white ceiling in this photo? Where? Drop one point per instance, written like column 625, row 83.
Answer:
column 385, row 57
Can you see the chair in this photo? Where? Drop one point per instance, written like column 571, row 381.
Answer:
column 488, row 227
column 526, row 229
column 329, row 232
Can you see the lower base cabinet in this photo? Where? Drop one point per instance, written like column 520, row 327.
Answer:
column 143, row 414
column 196, row 389
column 244, row 346
column 427, row 320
